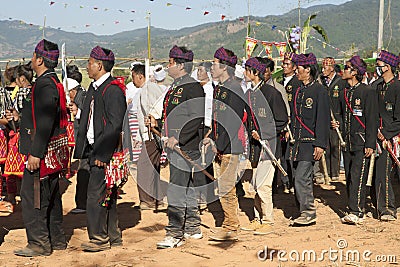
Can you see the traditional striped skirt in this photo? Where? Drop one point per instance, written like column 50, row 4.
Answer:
column 15, row 161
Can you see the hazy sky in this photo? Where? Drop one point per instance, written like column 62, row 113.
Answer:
column 113, row 16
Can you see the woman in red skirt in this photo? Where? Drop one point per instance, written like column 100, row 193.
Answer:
column 15, row 161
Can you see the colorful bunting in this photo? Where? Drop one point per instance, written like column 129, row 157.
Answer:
column 250, row 45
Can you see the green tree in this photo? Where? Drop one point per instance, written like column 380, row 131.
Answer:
column 306, row 31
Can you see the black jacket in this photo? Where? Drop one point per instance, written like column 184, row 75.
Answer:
column 266, row 114
column 108, row 116
column 334, row 89
column 228, row 109
column 389, row 108
column 359, row 113
column 311, row 126
column 183, row 112
column 46, row 108
column 292, row 86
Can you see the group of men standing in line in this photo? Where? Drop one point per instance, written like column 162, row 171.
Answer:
column 190, row 129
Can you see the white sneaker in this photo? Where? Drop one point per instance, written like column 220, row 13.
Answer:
column 170, row 242
column 352, row 219
column 193, row 236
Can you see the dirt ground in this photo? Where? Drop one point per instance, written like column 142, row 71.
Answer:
column 334, row 244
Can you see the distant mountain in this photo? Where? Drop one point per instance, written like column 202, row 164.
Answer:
column 351, row 27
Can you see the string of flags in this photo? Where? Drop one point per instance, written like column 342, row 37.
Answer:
column 128, row 11
column 251, row 44
column 326, row 44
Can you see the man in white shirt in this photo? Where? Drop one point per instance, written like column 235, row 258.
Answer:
column 150, row 101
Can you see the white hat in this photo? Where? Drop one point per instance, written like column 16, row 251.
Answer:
column 135, row 63
column 72, row 84
column 239, row 71
column 159, row 73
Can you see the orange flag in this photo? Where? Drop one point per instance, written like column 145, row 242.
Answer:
column 250, row 45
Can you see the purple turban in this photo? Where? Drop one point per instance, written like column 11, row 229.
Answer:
column 221, row 54
column 52, row 54
column 98, row 53
column 303, row 59
column 359, row 64
column 176, row 52
column 255, row 64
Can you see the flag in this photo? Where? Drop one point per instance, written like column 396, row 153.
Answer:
column 52, row 3
column 223, row 17
column 268, row 48
column 169, row 4
column 206, row 13
column 250, row 45
column 281, row 46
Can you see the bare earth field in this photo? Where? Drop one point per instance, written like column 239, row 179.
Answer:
column 327, row 243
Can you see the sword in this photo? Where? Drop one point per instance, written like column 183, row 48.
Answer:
column 186, row 157
column 388, row 147
column 291, row 138
column 272, row 156
column 325, row 170
column 203, row 150
column 371, row 169
column 342, row 142
column 371, row 163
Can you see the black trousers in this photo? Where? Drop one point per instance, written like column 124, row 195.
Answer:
column 43, row 226
column 356, row 168
column 303, row 187
column 82, row 182
column 333, row 154
column 285, row 162
column 384, row 194
column 182, row 210
column 102, row 222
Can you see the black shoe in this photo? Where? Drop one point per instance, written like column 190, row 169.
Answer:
column 93, row 247
column 59, row 247
column 28, row 252
column 305, row 220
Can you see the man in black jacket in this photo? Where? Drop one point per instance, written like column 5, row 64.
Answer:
column 183, row 114
column 98, row 137
column 358, row 108
column 267, row 117
column 309, row 116
column 334, row 84
column 228, row 109
column 291, row 83
column 42, row 118
column 388, row 133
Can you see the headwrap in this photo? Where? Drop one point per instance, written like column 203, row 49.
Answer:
column 176, row 52
column 290, row 55
column 159, row 73
column 302, row 59
column 71, row 84
column 254, row 63
column 52, row 55
column 388, row 58
column 359, row 64
column 328, row 62
column 98, row 53
column 133, row 64
column 221, row 54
